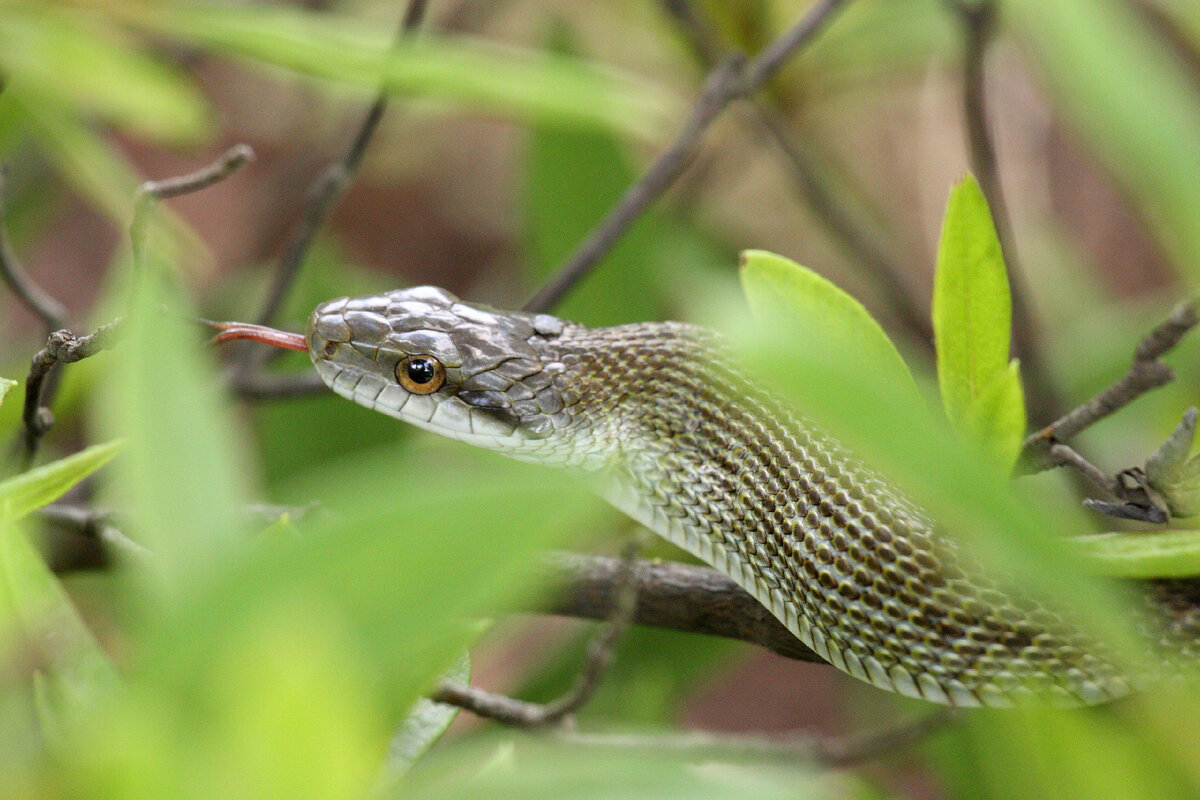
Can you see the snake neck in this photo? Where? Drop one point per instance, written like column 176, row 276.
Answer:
column 698, row 454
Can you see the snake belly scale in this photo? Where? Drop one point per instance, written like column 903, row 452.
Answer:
column 687, row 446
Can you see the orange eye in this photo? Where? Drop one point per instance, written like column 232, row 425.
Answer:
column 421, row 374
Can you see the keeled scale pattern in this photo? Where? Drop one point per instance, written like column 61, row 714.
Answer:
column 849, row 565
column 695, row 452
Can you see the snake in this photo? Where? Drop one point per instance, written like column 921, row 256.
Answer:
column 685, row 444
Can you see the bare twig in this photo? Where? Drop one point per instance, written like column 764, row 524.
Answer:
column 830, row 752
column 331, row 184
column 1146, row 372
column 62, row 347
column 1065, row 455
column 226, row 164
column 47, row 308
column 94, row 524
column 978, row 19
column 731, row 79
column 808, row 180
column 601, row 650
column 150, row 193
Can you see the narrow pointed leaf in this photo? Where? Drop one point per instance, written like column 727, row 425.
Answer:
column 808, row 311
column 43, row 485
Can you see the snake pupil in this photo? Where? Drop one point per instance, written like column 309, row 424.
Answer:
column 420, row 370
column 421, row 374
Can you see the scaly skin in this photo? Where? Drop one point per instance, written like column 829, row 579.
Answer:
column 687, row 446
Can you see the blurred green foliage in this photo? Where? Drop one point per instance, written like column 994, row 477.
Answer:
column 285, row 658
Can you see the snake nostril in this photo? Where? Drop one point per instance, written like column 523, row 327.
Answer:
column 330, row 349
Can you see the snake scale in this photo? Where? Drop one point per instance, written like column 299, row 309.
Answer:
column 690, row 448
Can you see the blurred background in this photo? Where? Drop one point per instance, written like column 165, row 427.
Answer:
column 487, row 197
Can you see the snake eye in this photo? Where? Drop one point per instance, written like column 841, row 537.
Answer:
column 421, row 374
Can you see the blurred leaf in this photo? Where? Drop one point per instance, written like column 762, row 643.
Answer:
column 41, row 631
column 281, row 529
column 180, row 475
column 496, row 78
column 42, row 485
column 1132, row 101
column 97, row 169
column 79, row 61
column 526, row 768
column 806, row 310
column 5, row 387
column 423, row 727
column 1142, row 554
column 1072, row 755
column 972, row 323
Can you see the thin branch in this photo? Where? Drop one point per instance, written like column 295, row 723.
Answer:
column 331, row 184
column 150, row 193
column 91, row 523
column 830, row 752
column 731, row 79
column 1065, row 455
column 1146, row 372
column 601, row 651
column 226, row 164
column 978, row 19
column 807, row 179
column 62, row 347
column 47, row 308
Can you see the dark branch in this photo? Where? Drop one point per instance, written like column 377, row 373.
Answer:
column 601, row 652
column 62, row 347
column 266, row 386
column 228, row 163
column 1147, row 372
column 48, row 309
column 150, row 193
column 331, row 184
column 677, row 597
column 809, row 181
column 731, row 79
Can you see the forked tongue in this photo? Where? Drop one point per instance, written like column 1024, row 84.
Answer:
column 229, row 331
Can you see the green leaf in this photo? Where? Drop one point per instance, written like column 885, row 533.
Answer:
column 972, row 323
column 808, row 311
column 180, row 476
column 5, row 387
column 998, row 418
column 423, row 727
column 525, row 767
column 80, row 62
column 39, row 626
column 43, row 485
column 1142, row 554
column 94, row 166
column 530, row 84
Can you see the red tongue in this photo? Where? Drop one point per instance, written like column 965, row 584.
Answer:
column 258, row 333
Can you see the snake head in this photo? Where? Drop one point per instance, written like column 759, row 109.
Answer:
column 461, row 370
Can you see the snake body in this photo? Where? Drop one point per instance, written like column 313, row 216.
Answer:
column 690, row 448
